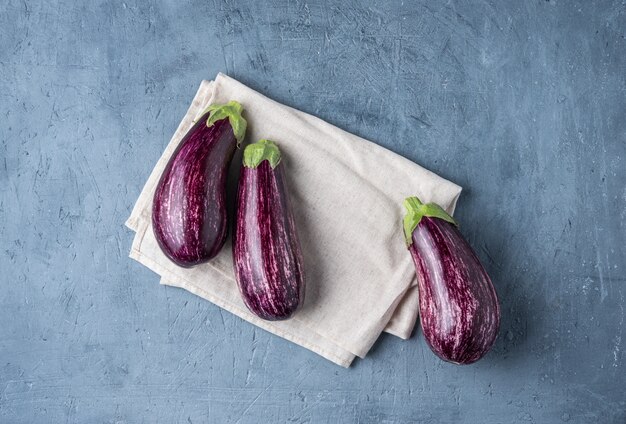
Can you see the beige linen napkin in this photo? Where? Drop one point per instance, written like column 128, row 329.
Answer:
column 347, row 195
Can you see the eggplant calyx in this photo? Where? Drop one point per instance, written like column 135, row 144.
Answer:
column 231, row 110
column 416, row 210
column 256, row 153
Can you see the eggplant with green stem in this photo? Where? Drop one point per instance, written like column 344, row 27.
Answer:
column 266, row 250
column 189, row 216
column 459, row 309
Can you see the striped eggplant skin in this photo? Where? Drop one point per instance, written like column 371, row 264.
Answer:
column 266, row 250
column 189, row 217
column 459, row 309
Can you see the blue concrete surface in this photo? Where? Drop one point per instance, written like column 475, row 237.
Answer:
column 523, row 103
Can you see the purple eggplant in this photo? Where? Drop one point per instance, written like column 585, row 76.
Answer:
column 266, row 250
column 188, row 212
column 459, row 310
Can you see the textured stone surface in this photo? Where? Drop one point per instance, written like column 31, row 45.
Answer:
column 523, row 103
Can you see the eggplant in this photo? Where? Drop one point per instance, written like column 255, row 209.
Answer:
column 266, row 250
column 189, row 216
column 459, row 309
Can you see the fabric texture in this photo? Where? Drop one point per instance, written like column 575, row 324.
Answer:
column 347, row 195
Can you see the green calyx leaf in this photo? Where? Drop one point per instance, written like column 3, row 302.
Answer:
column 231, row 110
column 256, row 153
column 416, row 210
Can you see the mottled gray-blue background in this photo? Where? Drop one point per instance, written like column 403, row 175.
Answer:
column 523, row 103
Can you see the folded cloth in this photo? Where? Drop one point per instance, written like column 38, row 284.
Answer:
column 347, row 196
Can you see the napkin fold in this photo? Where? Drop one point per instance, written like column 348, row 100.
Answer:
column 347, row 196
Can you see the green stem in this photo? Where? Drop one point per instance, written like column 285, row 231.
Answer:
column 231, row 110
column 256, row 153
column 416, row 210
